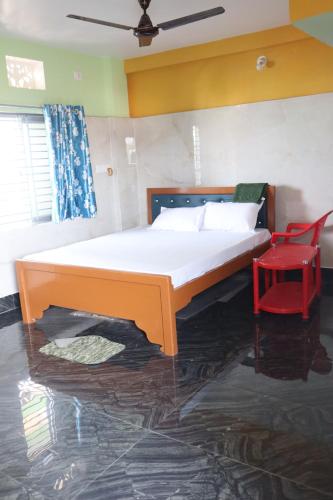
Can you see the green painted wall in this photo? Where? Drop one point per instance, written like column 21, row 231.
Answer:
column 320, row 27
column 102, row 90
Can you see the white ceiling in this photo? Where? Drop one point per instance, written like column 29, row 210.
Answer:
column 45, row 21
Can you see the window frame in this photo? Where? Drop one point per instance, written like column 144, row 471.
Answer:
column 27, row 119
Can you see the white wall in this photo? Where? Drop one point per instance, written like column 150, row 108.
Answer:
column 112, row 216
column 288, row 143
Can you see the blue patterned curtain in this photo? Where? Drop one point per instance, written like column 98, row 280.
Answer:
column 73, row 189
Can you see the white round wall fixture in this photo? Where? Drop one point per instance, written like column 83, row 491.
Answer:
column 262, row 62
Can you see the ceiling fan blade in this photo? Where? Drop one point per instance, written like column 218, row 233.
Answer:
column 181, row 21
column 98, row 21
column 145, row 41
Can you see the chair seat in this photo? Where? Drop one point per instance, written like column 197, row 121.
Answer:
column 287, row 256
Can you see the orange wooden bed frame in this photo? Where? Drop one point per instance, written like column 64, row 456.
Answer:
column 148, row 299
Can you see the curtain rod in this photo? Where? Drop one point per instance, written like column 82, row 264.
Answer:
column 19, row 106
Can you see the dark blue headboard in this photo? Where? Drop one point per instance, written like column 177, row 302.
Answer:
column 164, row 197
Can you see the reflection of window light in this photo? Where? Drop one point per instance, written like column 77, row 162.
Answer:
column 25, row 73
column 131, row 150
column 197, row 156
column 38, row 417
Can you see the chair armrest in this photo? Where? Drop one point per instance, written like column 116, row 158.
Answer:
column 288, row 235
column 297, row 225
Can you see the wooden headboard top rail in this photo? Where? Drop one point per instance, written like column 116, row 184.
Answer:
column 189, row 197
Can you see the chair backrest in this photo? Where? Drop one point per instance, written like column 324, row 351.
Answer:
column 302, row 229
column 317, row 227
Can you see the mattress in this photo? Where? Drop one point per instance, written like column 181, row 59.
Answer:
column 183, row 256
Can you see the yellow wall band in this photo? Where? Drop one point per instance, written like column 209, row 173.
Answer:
column 303, row 67
column 233, row 45
column 299, row 9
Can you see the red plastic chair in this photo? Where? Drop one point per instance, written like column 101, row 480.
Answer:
column 302, row 229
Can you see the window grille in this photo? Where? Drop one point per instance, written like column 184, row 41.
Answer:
column 25, row 182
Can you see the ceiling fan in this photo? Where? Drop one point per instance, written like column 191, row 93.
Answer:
column 146, row 31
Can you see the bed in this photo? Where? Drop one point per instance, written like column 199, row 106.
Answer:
column 145, row 288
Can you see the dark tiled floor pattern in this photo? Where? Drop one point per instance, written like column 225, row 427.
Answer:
column 9, row 303
column 245, row 411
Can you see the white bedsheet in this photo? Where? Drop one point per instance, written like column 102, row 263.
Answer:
column 181, row 255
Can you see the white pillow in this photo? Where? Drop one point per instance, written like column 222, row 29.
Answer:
column 237, row 217
column 179, row 219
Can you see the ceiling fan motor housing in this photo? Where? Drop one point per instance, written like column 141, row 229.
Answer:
column 146, row 27
column 148, row 31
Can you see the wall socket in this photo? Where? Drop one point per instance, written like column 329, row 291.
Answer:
column 104, row 169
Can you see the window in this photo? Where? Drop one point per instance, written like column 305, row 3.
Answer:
column 25, row 73
column 130, row 150
column 25, row 183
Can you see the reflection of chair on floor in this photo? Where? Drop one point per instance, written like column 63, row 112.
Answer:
column 290, row 355
column 290, row 297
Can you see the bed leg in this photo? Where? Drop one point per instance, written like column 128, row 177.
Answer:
column 162, row 332
column 159, row 323
column 170, row 344
column 27, row 316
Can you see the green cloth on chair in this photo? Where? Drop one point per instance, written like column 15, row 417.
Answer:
column 250, row 193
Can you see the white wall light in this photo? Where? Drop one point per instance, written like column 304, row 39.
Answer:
column 262, row 62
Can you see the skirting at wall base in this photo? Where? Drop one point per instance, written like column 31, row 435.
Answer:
column 9, row 303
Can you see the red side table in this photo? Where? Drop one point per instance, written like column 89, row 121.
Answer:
column 287, row 297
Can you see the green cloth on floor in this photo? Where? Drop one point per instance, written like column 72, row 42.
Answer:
column 250, row 193
column 89, row 350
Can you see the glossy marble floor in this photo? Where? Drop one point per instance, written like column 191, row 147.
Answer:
column 245, row 411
